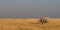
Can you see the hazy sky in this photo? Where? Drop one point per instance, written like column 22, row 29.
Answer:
column 29, row 8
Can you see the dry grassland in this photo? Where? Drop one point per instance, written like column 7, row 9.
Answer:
column 28, row 24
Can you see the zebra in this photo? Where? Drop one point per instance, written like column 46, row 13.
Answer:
column 43, row 20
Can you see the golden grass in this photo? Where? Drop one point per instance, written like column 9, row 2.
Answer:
column 28, row 24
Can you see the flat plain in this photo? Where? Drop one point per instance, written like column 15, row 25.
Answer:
column 28, row 24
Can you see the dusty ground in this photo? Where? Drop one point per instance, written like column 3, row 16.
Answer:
column 28, row 24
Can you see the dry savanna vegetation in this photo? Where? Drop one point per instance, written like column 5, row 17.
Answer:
column 29, row 24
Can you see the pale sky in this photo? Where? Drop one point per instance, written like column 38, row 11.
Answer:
column 29, row 8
